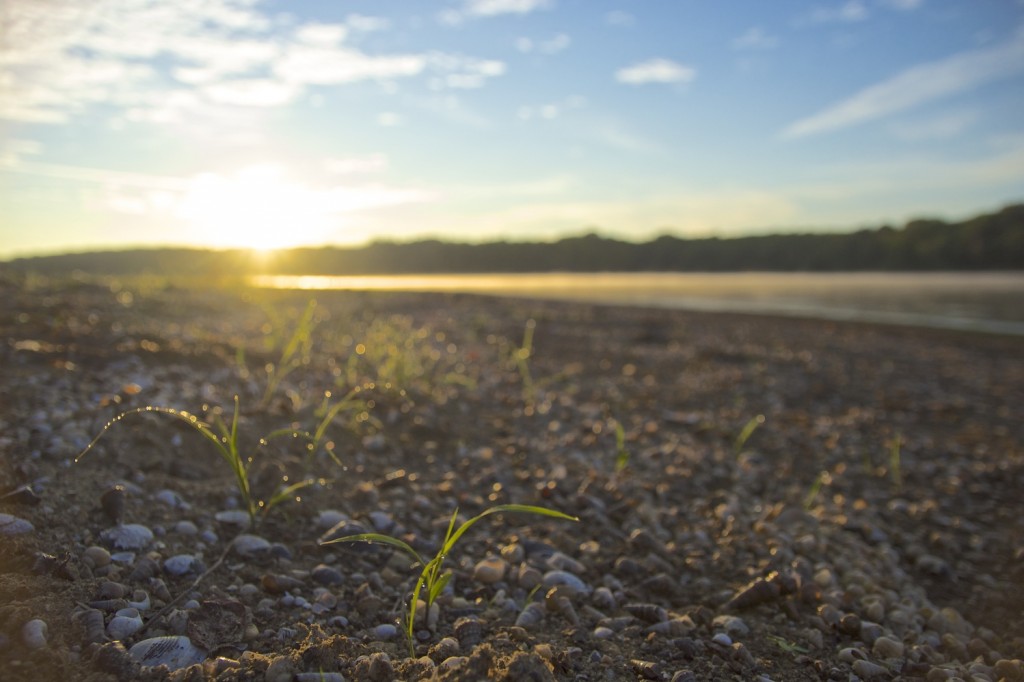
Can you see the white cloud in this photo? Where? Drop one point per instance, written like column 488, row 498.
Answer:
column 321, row 35
column 367, row 24
column 325, row 66
column 903, row 5
column 374, row 163
column 489, row 8
column 619, row 18
column 553, row 45
column 755, row 38
column 256, row 92
column 917, row 85
column 655, row 71
column 847, row 12
column 460, row 72
column 389, row 119
column 941, row 127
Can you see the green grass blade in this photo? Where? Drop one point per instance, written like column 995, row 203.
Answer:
column 747, row 432
column 286, row 493
column 380, row 539
column 438, row 586
column 503, row 508
column 186, row 417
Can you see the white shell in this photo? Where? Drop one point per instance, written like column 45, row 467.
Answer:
column 33, row 633
column 12, row 525
column 124, row 624
column 180, row 564
column 174, row 652
column 552, row 578
column 131, row 536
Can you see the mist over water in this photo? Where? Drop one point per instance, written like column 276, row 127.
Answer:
column 989, row 301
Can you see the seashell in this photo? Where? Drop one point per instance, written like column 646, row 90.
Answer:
column 648, row 670
column 250, row 545
column 109, row 604
column 182, row 564
column 113, row 502
column 652, row 613
column 22, row 495
column 602, row 632
column 160, row 590
column 108, row 589
column 603, row 598
column 552, row 578
column 140, row 600
column 529, row 577
column 759, row 591
column 144, row 569
column 563, row 562
column 452, row 663
column 92, row 622
column 661, row 584
column 556, row 601
column 124, row 624
column 132, row 537
column 532, row 614
column 12, row 525
column 870, row 671
column 469, row 631
column 490, row 570
column 174, row 651
column 33, row 634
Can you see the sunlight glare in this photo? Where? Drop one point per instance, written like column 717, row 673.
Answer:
column 259, row 207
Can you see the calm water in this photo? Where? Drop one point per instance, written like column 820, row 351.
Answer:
column 991, row 302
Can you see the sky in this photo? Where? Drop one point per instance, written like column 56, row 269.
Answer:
column 265, row 124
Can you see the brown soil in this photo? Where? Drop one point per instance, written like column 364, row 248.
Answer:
column 813, row 502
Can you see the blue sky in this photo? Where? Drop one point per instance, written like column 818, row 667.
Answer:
column 263, row 124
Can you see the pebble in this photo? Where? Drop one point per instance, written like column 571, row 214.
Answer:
column 96, row 556
column 233, row 517
column 734, row 626
column 722, row 639
column 870, row 671
column 174, row 651
column 186, row 528
column 250, row 545
column 12, row 525
column 323, row 574
column 34, row 633
column 172, row 499
column 490, row 570
column 329, row 518
column 132, row 536
column 182, row 564
column 887, row 647
column 124, row 624
column 384, row 631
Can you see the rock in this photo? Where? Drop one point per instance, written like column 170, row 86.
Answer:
column 172, row 500
column 233, row 517
column 132, row 536
column 870, row 671
column 490, row 570
column 124, row 624
column 12, row 525
column 182, row 564
column 323, row 574
column 552, row 578
column 250, row 545
column 887, row 647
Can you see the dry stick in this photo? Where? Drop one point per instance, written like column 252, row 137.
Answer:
column 195, row 583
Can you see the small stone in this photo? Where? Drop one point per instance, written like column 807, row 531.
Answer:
column 182, row 564
column 12, row 525
column 233, row 517
column 552, row 578
column 887, row 647
column 172, row 499
column 490, row 570
column 722, row 639
column 732, row 625
column 250, row 545
column 870, row 671
column 1008, row 669
column 132, row 536
column 384, row 631
column 185, row 528
column 96, row 556
column 329, row 518
column 327, row 575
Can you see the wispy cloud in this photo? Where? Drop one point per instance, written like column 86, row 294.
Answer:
column 204, row 62
column 471, row 9
column 619, row 18
column 553, row 45
column 755, row 38
column 656, row 71
column 915, row 86
column 847, row 12
column 903, row 5
column 550, row 110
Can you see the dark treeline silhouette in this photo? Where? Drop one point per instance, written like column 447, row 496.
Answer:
column 988, row 242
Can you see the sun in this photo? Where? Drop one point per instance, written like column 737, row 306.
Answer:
column 258, row 207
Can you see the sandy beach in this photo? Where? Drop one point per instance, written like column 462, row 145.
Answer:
column 758, row 497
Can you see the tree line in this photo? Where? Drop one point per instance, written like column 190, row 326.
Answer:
column 993, row 241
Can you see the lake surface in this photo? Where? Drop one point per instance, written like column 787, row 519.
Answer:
column 991, row 301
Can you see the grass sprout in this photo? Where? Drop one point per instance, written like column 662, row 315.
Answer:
column 895, row 468
column 824, row 478
column 432, row 578
column 522, row 356
column 294, row 353
column 224, row 438
column 621, row 451
column 746, row 433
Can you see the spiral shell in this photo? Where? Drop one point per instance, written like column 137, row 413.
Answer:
column 757, row 592
column 531, row 615
column 92, row 622
column 469, row 631
column 652, row 613
column 113, row 502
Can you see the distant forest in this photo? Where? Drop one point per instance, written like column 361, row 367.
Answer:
column 987, row 242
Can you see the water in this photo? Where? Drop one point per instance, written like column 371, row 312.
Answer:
column 990, row 301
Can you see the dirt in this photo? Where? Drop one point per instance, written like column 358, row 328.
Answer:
column 886, row 469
